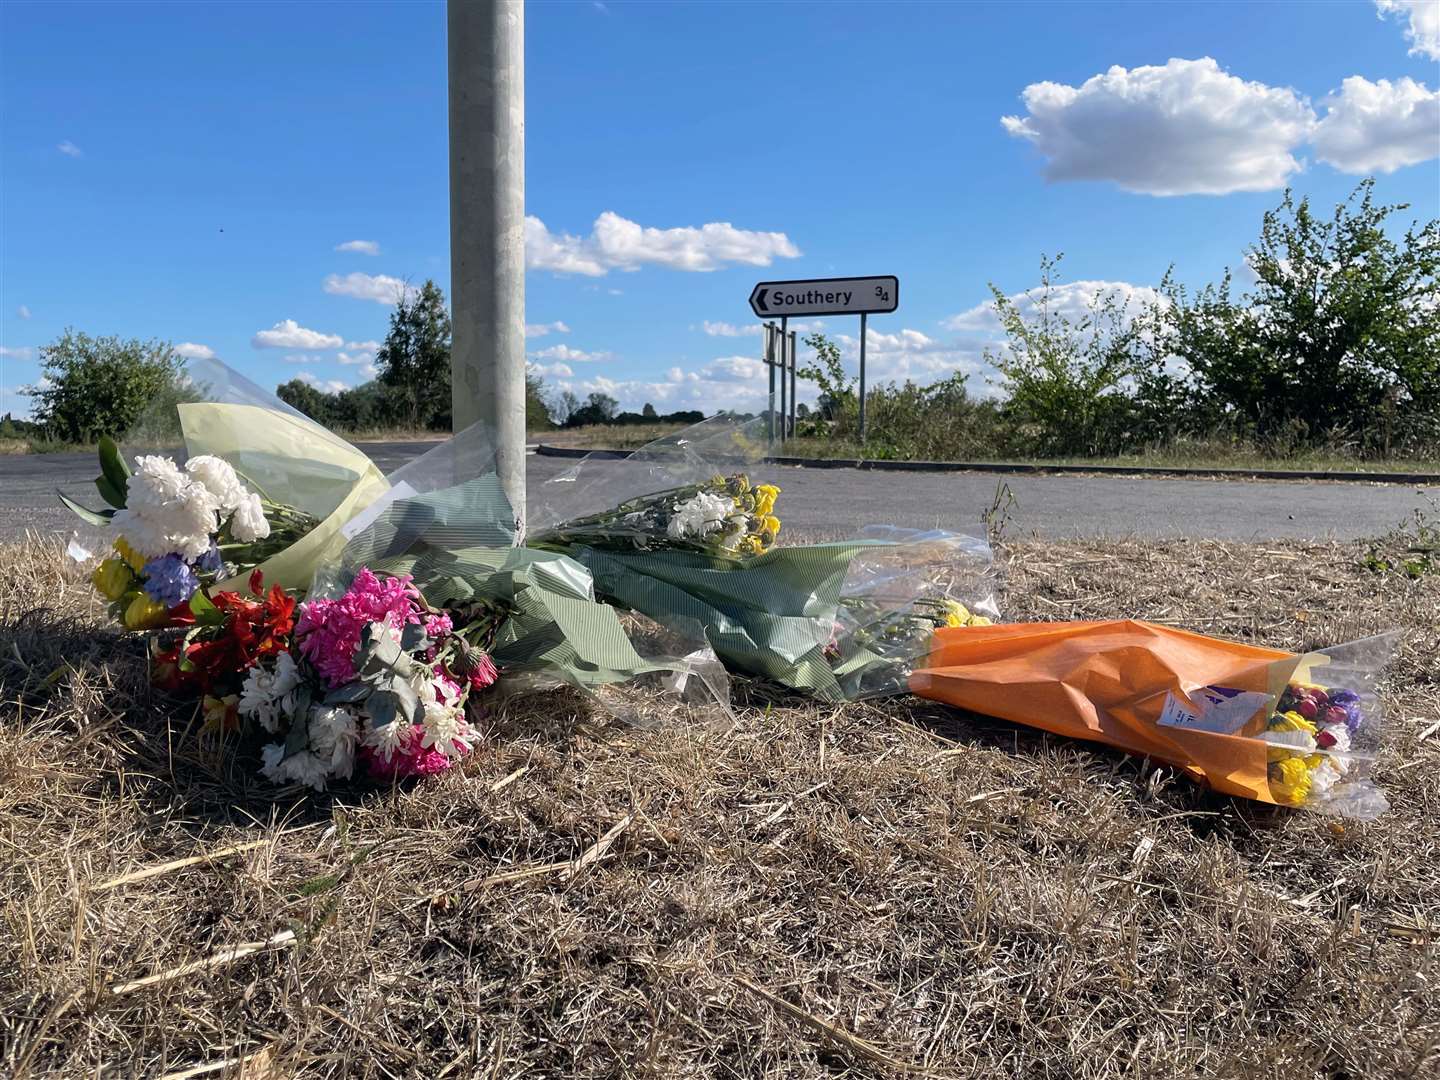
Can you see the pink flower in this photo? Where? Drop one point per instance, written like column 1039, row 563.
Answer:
column 482, row 672
column 413, row 760
column 329, row 630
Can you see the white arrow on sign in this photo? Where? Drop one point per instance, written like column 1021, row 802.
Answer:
column 826, row 296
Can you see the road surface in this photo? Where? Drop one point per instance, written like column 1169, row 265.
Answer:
column 828, row 503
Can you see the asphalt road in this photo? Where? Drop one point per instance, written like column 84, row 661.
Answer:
column 828, row 503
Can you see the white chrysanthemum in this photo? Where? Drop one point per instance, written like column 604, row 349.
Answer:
column 386, row 740
column 698, row 516
column 332, row 738
column 269, row 695
column 1325, row 776
column 192, row 520
column 219, row 478
column 167, row 511
column 248, row 522
column 140, row 533
column 446, row 731
column 156, row 481
column 304, row 767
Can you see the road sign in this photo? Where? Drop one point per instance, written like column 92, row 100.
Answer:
column 826, row 296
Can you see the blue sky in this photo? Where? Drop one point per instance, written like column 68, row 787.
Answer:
column 188, row 171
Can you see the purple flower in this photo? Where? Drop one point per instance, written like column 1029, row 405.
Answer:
column 210, row 562
column 169, row 581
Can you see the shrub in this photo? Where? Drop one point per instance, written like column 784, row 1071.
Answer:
column 100, row 386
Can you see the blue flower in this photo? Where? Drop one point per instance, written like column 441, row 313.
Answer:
column 210, row 562
column 169, row 581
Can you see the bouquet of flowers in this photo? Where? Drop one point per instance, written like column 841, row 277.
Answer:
column 723, row 515
column 375, row 674
column 690, row 540
column 178, row 531
column 1296, row 730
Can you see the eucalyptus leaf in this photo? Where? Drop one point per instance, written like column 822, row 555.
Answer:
column 349, row 694
column 297, row 739
column 413, row 639
column 408, row 700
column 382, row 708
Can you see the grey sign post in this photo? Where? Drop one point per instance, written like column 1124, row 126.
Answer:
column 863, row 296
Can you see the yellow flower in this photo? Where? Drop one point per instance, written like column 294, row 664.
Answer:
column 1291, row 721
column 765, row 499
column 979, row 620
column 132, row 558
column 144, row 613
column 222, row 713
column 739, row 484
column 770, row 524
column 751, row 545
column 1290, row 780
column 112, row 579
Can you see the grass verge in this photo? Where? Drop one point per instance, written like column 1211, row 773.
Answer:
column 792, row 891
column 1183, row 455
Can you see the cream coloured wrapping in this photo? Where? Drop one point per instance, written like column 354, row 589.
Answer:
column 289, row 460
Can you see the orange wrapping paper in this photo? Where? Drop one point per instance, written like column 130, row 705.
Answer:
column 1109, row 682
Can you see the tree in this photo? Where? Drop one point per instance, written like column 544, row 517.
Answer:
column 838, row 401
column 648, row 412
column 1341, row 333
column 415, row 358
column 598, row 409
column 101, row 386
column 316, row 404
column 537, row 412
column 1067, row 379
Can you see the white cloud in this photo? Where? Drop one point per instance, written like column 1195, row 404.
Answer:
column 303, row 358
column 288, row 334
column 1072, row 299
column 541, row 329
column 329, row 386
column 364, row 356
column 363, row 346
column 1423, row 23
column 69, row 149
column 16, row 352
column 616, row 243
column 552, row 371
column 568, row 355
column 23, row 311
column 369, row 371
column 725, row 329
column 1380, row 126
column 1186, row 128
column 382, row 288
column 191, row 351
column 359, row 247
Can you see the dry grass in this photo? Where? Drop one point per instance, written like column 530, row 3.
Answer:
column 868, row 891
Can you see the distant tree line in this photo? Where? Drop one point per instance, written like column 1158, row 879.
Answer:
column 1336, row 344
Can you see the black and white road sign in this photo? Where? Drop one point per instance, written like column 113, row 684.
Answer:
column 826, row 296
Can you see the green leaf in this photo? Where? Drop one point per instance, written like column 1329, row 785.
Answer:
column 382, row 709
column 413, row 639
column 113, row 466
column 205, row 612
column 109, row 492
column 408, row 700
column 94, row 517
column 349, row 694
column 297, row 739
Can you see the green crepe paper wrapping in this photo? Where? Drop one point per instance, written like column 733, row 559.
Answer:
column 771, row 615
column 457, row 544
